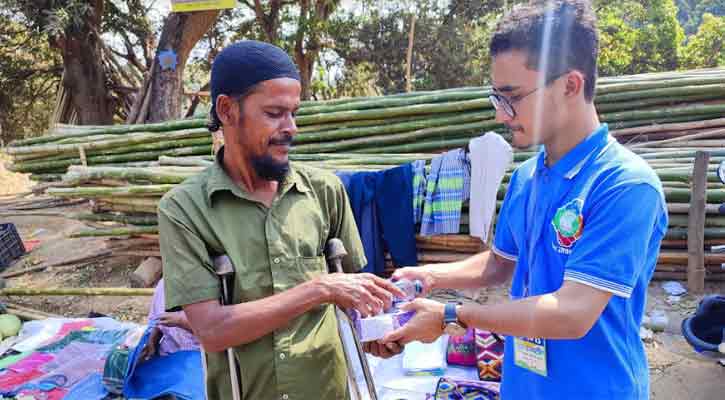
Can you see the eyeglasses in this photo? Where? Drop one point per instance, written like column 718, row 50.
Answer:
column 506, row 104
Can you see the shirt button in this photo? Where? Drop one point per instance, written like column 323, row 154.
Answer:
column 281, row 356
column 276, row 260
column 285, row 397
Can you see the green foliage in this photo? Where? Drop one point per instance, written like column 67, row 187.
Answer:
column 707, row 47
column 691, row 12
column 639, row 37
column 29, row 76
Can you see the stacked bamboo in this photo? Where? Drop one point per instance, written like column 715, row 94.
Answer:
column 405, row 123
column 130, row 167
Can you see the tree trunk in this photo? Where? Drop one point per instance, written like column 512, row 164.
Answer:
column 85, row 77
column 180, row 34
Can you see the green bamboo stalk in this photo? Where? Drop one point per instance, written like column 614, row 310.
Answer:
column 391, row 139
column 387, row 128
column 119, row 130
column 79, row 174
column 126, row 140
column 386, row 102
column 127, row 231
column 650, row 102
column 143, row 220
column 102, row 191
column 693, row 109
column 664, row 89
column 106, row 291
column 681, row 233
column 419, row 109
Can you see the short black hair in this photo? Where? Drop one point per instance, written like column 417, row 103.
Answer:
column 573, row 43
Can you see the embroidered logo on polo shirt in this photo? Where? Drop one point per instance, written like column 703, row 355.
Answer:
column 569, row 223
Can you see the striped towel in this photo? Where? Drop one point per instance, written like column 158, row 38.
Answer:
column 448, row 185
column 418, row 189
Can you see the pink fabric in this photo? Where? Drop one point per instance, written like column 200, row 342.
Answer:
column 462, row 350
column 30, row 363
column 10, row 380
column 73, row 326
column 174, row 339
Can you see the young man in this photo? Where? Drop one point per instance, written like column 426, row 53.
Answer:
column 579, row 229
column 273, row 220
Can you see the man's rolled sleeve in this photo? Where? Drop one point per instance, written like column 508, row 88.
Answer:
column 614, row 249
column 188, row 270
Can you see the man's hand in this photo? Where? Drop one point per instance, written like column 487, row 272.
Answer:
column 152, row 346
column 426, row 325
column 173, row 319
column 383, row 350
column 422, row 273
column 367, row 293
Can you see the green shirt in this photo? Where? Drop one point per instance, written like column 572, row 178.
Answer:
column 272, row 249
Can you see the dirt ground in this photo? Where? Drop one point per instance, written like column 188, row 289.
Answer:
column 676, row 371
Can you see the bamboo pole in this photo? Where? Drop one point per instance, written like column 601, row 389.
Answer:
column 106, row 291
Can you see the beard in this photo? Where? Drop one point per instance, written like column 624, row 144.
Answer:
column 267, row 167
column 270, row 169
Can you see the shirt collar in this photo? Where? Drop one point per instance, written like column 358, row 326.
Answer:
column 573, row 161
column 220, row 181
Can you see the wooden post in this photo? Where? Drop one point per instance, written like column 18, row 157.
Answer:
column 696, row 225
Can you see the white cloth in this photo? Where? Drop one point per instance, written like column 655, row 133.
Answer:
column 490, row 156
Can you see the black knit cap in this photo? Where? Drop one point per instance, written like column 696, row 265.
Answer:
column 243, row 64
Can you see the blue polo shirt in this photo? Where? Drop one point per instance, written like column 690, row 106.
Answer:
column 596, row 217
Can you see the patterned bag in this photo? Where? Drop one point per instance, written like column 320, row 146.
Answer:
column 462, row 350
column 489, row 355
column 462, row 389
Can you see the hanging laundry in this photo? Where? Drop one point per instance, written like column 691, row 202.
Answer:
column 490, row 156
column 382, row 204
column 419, row 184
column 447, row 187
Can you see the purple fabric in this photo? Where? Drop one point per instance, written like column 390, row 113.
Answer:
column 173, row 339
column 76, row 350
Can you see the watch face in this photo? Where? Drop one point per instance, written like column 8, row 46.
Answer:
column 453, row 329
column 721, row 171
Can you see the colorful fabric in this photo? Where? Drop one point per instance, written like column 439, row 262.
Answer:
column 463, row 389
column 10, row 380
column 75, row 351
column 173, row 338
column 108, row 337
column 33, row 362
column 596, row 217
column 447, row 187
column 419, row 185
column 90, row 388
column 489, row 355
column 10, row 360
column 462, row 349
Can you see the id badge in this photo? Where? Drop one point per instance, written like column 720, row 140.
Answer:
column 530, row 354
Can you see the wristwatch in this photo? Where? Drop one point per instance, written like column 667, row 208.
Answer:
column 451, row 324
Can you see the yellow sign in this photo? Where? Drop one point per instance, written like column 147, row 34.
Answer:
column 199, row 5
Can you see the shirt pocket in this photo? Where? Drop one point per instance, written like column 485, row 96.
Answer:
column 311, row 267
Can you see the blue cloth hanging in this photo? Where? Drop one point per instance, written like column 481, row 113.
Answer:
column 382, row 203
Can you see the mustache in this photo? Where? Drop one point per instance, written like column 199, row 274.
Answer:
column 514, row 127
column 281, row 140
